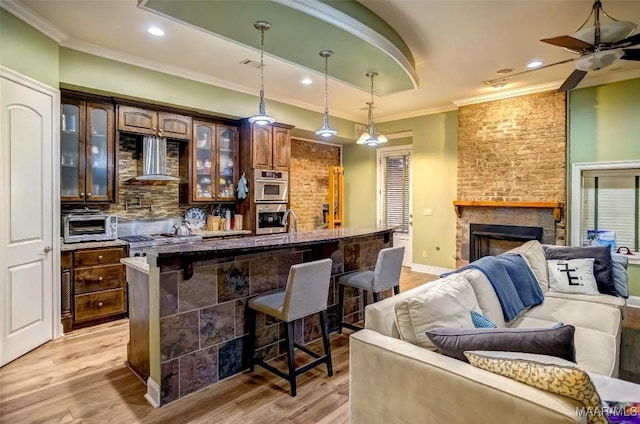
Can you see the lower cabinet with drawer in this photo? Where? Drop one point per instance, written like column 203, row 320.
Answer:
column 93, row 286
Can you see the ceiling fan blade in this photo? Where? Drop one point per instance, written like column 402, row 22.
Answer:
column 629, row 41
column 569, row 43
column 573, row 80
column 631, row 54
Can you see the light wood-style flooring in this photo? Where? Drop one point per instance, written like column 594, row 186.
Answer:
column 81, row 378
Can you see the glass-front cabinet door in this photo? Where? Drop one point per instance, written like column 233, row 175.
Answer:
column 203, row 162
column 99, row 150
column 86, row 151
column 227, row 162
column 72, row 151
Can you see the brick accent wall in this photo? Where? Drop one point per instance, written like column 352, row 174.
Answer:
column 512, row 150
column 309, row 180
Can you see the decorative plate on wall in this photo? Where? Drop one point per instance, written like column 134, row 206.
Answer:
column 195, row 218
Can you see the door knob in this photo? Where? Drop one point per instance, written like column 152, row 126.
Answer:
column 47, row 249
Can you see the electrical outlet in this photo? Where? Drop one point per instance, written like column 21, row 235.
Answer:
column 427, row 212
column 424, row 253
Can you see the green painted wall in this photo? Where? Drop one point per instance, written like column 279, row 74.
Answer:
column 85, row 71
column 434, row 167
column 604, row 126
column 27, row 51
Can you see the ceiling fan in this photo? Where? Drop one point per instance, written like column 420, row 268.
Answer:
column 597, row 47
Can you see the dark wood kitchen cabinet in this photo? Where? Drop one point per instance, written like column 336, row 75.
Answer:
column 265, row 146
column 209, row 166
column 93, row 286
column 87, row 151
column 144, row 121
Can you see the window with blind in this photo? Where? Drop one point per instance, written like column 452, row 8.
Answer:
column 395, row 191
column 610, row 203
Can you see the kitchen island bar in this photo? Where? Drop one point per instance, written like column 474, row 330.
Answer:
column 188, row 303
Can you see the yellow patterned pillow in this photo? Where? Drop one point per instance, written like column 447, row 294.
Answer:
column 559, row 379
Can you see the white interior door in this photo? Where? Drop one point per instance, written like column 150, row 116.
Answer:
column 394, row 196
column 26, row 220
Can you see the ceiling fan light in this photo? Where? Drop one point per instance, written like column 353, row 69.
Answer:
column 610, row 32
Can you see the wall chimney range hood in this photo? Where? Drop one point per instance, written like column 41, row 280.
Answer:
column 152, row 166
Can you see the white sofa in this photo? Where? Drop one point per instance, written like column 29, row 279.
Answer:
column 394, row 381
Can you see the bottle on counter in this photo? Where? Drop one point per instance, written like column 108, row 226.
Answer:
column 228, row 219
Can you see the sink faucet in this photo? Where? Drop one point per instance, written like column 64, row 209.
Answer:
column 295, row 219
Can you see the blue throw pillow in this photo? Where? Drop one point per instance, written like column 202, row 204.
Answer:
column 620, row 276
column 480, row 321
column 558, row 324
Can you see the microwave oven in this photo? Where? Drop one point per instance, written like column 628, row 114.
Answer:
column 271, row 186
column 88, row 225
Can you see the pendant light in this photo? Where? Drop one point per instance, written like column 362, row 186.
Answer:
column 262, row 118
column 326, row 130
column 369, row 137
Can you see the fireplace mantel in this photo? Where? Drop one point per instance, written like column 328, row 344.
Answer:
column 459, row 205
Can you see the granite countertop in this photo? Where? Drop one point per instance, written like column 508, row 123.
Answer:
column 197, row 251
column 139, row 263
column 68, row 247
column 220, row 233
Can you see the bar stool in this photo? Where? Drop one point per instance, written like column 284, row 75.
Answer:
column 306, row 294
column 385, row 275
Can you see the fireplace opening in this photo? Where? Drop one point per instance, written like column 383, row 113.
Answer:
column 492, row 240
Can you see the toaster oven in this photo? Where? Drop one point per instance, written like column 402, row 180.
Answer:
column 89, row 225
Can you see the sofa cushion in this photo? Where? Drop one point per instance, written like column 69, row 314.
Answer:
column 619, row 264
column 596, row 351
column 533, row 254
column 601, row 266
column 448, row 306
column 564, row 380
column 545, row 341
column 572, row 276
column 581, row 314
column 603, row 299
column 486, row 296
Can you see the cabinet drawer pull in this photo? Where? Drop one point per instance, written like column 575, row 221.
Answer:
column 81, row 194
column 100, row 279
column 100, row 258
column 99, row 304
column 88, row 194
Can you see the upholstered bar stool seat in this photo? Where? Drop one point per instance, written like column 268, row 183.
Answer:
column 386, row 275
column 306, row 294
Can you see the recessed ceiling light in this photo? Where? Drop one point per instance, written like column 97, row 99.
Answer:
column 158, row 32
column 504, row 71
column 306, row 81
column 534, row 64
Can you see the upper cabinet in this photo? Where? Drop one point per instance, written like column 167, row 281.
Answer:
column 209, row 166
column 144, row 121
column 87, row 151
column 266, row 147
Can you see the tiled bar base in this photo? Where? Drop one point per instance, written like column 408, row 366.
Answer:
column 203, row 326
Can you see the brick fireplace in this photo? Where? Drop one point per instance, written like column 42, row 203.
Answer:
column 512, row 166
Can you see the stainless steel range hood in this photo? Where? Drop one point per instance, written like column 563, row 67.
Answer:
column 154, row 160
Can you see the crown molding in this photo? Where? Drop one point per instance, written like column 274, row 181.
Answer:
column 189, row 74
column 508, row 94
column 589, row 81
column 32, row 18
column 417, row 113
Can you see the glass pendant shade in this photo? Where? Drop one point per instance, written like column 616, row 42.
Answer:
column 326, row 130
column 369, row 137
column 262, row 118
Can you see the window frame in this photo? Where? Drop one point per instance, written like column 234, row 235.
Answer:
column 576, row 192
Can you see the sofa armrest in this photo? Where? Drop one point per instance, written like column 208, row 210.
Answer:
column 395, row 381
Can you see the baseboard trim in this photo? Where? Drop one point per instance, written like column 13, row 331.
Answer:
column 429, row 269
column 153, row 393
column 634, row 301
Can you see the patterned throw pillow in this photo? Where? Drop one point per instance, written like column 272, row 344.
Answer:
column 559, row 379
column 572, row 276
column 480, row 321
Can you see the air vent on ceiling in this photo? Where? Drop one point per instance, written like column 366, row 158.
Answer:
column 251, row 63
